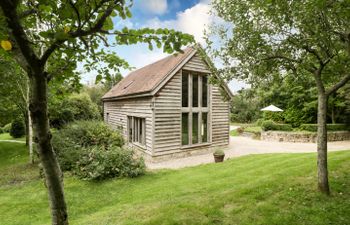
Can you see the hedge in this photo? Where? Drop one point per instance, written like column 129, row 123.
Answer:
column 270, row 125
column 330, row 127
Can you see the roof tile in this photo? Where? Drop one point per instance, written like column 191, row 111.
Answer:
column 149, row 77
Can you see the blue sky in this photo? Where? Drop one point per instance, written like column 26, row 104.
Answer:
column 189, row 16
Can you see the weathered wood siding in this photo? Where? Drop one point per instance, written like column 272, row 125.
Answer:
column 120, row 109
column 196, row 64
column 220, row 121
column 167, row 115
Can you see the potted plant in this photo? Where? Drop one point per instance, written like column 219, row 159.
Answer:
column 219, row 155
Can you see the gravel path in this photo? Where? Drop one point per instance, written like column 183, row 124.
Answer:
column 240, row 146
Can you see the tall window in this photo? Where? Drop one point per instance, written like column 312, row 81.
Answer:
column 184, row 91
column 136, row 130
column 194, row 129
column 195, row 89
column 184, row 135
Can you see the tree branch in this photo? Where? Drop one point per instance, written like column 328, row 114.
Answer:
column 9, row 9
column 314, row 52
column 317, row 75
column 282, row 57
column 76, row 12
column 80, row 33
column 27, row 13
column 338, row 85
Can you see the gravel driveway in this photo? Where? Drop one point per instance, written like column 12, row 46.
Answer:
column 240, row 146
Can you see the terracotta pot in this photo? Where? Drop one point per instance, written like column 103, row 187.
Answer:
column 219, row 158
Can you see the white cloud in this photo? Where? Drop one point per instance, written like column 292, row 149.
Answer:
column 145, row 57
column 157, row 7
column 193, row 21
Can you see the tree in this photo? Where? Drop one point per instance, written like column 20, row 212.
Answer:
column 302, row 37
column 71, row 31
column 15, row 88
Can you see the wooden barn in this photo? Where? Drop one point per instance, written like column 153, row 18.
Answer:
column 169, row 109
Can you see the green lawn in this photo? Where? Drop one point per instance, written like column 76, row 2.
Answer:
column 249, row 128
column 7, row 136
column 259, row 189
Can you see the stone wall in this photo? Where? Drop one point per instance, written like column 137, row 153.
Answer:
column 284, row 136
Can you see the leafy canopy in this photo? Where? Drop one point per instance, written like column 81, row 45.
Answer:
column 272, row 37
column 69, row 31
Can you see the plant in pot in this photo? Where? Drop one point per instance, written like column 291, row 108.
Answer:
column 219, row 155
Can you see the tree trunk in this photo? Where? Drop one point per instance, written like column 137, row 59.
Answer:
column 333, row 115
column 26, row 116
column 52, row 171
column 29, row 128
column 322, row 170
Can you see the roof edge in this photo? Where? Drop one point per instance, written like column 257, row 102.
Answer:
column 212, row 68
column 173, row 71
column 127, row 96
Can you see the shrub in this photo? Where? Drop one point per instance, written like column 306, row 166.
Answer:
column 71, row 141
column 219, row 152
column 330, row 127
column 7, row 128
column 17, row 128
column 1, row 130
column 96, row 163
column 293, row 116
column 240, row 130
column 259, row 122
column 274, row 116
column 75, row 107
column 270, row 125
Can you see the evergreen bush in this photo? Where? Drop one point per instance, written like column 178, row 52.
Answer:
column 17, row 129
column 71, row 141
column 97, row 163
column 330, row 127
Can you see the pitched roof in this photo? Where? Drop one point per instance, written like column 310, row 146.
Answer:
column 149, row 77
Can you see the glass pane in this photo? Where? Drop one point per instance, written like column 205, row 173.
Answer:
column 140, row 131
column 144, row 131
column 194, row 128
column 185, row 89
column 130, row 128
column 204, row 91
column 184, row 130
column 204, row 127
column 135, row 130
column 195, row 90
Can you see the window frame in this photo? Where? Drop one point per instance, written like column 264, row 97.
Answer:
column 199, row 109
column 134, row 136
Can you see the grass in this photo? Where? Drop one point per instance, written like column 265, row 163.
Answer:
column 13, row 167
column 257, row 189
column 234, row 133
column 7, row 136
column 249, row 128
column 253, row 129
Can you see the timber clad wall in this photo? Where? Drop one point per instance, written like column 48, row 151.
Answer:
column 163, row 116
column 167, row 136
column 219, row 118
column 119, row 110
column 167, row 132
column 196, row 64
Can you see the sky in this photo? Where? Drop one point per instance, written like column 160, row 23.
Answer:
column 189, row 16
